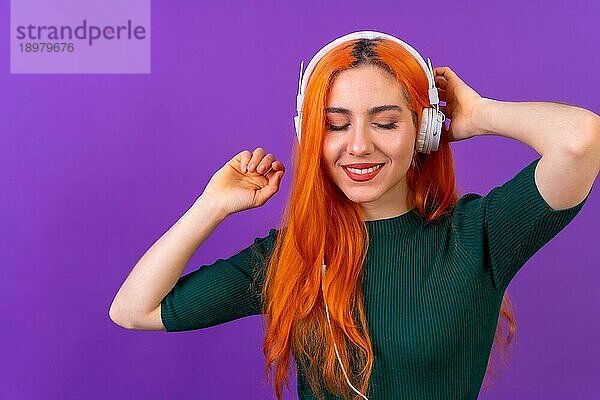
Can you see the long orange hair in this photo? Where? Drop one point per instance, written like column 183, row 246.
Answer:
column 320, row 220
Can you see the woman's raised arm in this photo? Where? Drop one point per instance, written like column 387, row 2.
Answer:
column 137, row 303
column 232, row 189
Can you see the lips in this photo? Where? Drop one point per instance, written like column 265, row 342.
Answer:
column 362, row 165
column 362, row 177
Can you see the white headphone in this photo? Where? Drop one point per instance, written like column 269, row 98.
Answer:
column 429, row 132
column 432, row 118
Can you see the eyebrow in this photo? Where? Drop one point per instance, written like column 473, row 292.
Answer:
column 371, row 111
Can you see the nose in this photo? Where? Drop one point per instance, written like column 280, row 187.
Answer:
column 359, row 140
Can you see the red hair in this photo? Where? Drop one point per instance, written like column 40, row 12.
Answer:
column 320, row 220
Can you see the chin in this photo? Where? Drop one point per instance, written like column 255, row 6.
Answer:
column 362, row 196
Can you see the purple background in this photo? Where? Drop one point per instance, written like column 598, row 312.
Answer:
column 95, row 168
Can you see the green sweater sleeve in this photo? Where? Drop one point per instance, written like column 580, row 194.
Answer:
column 223, row 291
column 504, row 228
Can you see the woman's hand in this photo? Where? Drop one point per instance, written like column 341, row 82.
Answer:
column 460, row 103
column 242, row 184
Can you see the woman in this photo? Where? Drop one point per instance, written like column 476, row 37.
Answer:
column 416, row 277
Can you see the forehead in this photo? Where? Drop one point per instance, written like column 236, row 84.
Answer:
column 364, row 87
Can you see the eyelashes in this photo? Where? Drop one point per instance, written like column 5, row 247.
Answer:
column 331, row 127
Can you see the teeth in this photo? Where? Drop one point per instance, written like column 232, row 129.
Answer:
column 363, row 171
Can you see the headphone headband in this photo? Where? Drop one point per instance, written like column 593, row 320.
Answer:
column 303, row 81
column 432, row 118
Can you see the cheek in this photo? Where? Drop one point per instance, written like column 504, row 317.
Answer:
column 396, row 146
column 331, row 155
column 330, row 152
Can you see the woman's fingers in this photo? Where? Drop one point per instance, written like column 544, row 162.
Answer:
column 265, row 163
column 278, row 166
column 273, row 180
column 446, row 72
column 244, row 159
column 441, row 82
column 258, row 162
column 257, row 155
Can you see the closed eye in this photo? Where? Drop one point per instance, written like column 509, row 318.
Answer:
column 331, row 127
column 344, row 127
column 388, row 126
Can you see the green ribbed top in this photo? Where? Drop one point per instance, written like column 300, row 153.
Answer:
column 432, row 292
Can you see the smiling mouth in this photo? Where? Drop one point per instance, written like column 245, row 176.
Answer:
column 362, row 175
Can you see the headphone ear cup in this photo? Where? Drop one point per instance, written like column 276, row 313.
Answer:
column 438, row 119
column 423, row 139
column 430, row 129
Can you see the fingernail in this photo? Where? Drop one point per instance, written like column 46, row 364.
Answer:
column 261, row 168
column 251, row 167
